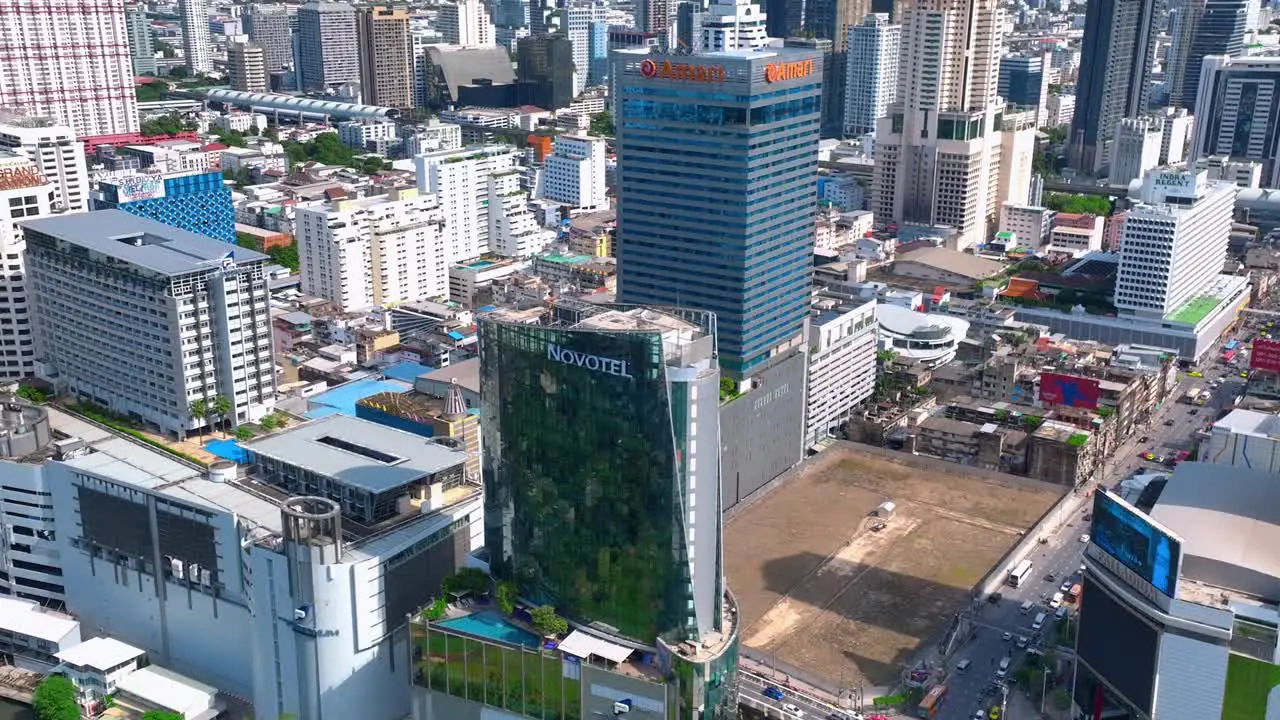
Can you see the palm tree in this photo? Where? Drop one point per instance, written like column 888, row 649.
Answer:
column 199, row 410
column 221, row 408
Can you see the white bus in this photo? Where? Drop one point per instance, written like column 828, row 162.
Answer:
column 1019, row 573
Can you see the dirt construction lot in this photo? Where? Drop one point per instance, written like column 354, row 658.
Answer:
column 820, row 591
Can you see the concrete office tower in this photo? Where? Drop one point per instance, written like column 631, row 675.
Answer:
column 328, row 52
column 786, row 17
column 268, row 27
column 654, row 16
column 53, row 147
column 1173, row 243
column 573, row 174
column 373, row 252
column 27, row 195
column 1177, row 125
column 645, row 578
column 842, row 364
column 1115, row 77
column 871, row 75
column 466, row 23
column 938, row 153
column 142, row 51
column 831, row 19
column 733, row 25
column 197, row 46
column 116, row 298
column 833, row 76
column 1238, row 112
column 386, row 57
column 460, row 181
column 246, row 64
column 68, row 62
column 580, row 19
column 514, row 230
column 1219, row 29
column 1137, row 150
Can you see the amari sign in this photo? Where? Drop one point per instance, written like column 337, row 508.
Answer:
column 595, row 363
column 667, row 70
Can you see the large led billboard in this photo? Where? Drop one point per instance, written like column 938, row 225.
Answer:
column 1266, row 355
column 1134, row 540
column 1069, row 390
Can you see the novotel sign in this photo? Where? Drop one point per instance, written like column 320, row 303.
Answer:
column 777, row 72
column 597, row 363
column 667, row 70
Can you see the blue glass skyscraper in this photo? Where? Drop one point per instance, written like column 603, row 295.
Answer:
column 717, row 170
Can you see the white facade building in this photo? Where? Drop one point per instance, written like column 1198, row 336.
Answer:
column 373, row 252
column 579, row 18
column 1076, row 235
column 145, row 318
column 460, row 181
column 1244, row 439
column 733, row 25
column 367, row 135
column 29, row 554
column 91, row 89
column 871, row 73
column 1136, row 150
column 466, row 23
column 1244, row 173
column 54, row 149
column 514, row 230
column 924, row 338
column 197, row 46
column 574, row 173
column 1030, row 223
column 1237, row 112
column 1177, row 127
column 1059, row 109
column 432, row 136
column 1173, row 243
column 842, row 364
column 24, row 195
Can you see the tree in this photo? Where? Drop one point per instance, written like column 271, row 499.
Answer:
column 469, row 580
column 271, row 133
column 221, row 408
column 170, row 124
column 33, row 394
column 1078, row 204
column 199, row 410
column 244, row 432
column 506, row 597
column 602, row 125
column 160, row 715
column 55, row 699
column 547, row 622
column 286, row 255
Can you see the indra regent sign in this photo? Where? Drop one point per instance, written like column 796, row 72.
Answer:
column 596, row 363
column 667, row 70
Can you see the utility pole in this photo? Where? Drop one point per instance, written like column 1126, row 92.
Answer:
column 1044, row 685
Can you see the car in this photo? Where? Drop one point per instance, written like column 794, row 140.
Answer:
column 793, row 709
column 1147, row 455
column 1050, row 578
column 979, row 715
column 1007, row 637
column 1244, row 374
column 994, row 712
column 1022, row 641
column 773, row 693
column 1066, row 585
column 1168, row 423
column 995, row 597
column 1056, row 601
column 1081, row 568
column 1084, row 538
column 1196, row 373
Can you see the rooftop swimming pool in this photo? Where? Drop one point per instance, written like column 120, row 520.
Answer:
column 490, row 625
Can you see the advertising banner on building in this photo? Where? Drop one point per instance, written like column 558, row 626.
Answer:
column 1266, row 355
column 133, row 188
column 1069, row 390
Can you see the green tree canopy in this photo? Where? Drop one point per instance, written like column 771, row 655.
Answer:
column 1080, row 204
column 547, row 622
column 55, row 699
column 602, row 125
column 160, row 715
column 169, row 124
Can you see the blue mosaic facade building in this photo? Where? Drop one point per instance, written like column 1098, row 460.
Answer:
column 196, row 202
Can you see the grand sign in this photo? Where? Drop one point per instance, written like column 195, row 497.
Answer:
column 777, row 72
column 597, row 363
column 667, row 70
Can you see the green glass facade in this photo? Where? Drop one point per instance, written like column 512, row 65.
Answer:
column 582, row 489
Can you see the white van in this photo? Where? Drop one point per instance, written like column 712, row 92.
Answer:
column 1026, row 607
column 963, row 665
column 1004, row 667
column 1038, row 622
column 1056, row 602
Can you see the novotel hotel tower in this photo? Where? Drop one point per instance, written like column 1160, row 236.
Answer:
column 602, row 485
column 717, row 169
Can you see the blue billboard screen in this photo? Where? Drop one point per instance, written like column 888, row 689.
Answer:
column 1131, row 538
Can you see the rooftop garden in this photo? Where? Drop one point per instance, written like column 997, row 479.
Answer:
column 1249, row 683
column 1078, row 204
column 1195, row 310
column 1078, row 440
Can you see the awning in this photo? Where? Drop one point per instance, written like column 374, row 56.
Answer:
column 584, row 646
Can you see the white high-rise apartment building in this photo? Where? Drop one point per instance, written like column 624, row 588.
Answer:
column 579, row 19
column 247, row 66
column 145, row 319
column 1177, row 127
column 1174, row 241
column 1136, row 150
column 842, row 365
column 53, row 147
column 460, row 181
column 197, row 46
column 466, row 23
column 734, row 25
column 373, row 252
column 513, row 227
column 24, row 194
column 574, row 173
column 939, row 152
column 69, row 61
column 871, row 73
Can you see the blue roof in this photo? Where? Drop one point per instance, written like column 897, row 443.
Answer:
column 456, row 335
column 406, row 371
column 487, row 308
column 342, row 399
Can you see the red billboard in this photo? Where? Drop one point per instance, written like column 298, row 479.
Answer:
column 1069, row 390
column 1266, row 355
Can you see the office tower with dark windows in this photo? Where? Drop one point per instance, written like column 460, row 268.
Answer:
column 1218, row 28
column 1115, row 73
column 716, row 197
column 544, row 71
column 1237, row 113
column 785, row 17
column 268, row 27
column 328, row 54
column 602, row 499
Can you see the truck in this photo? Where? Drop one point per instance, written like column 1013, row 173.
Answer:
column 1193, row 394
